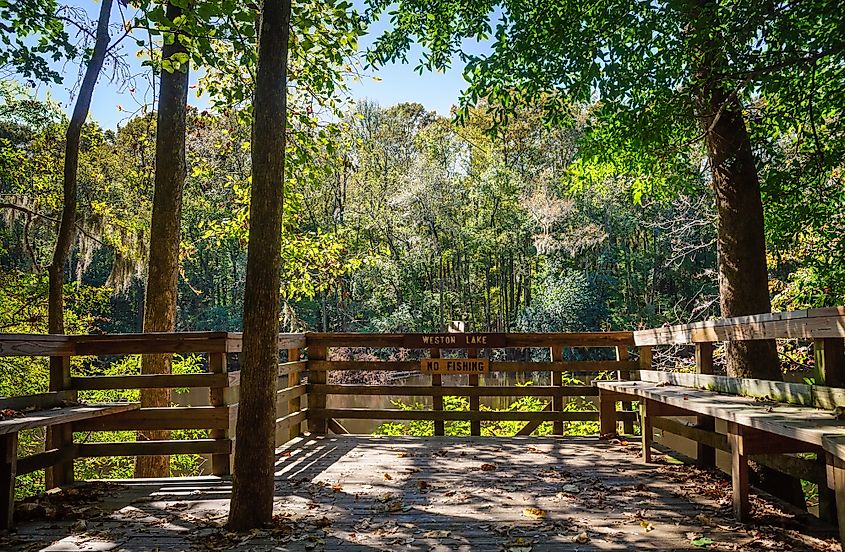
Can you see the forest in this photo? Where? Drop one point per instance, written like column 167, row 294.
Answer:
column 403, row 221
column 686, row 167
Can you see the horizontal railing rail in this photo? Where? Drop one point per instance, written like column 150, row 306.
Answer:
column 511, row 340
column 807, row 324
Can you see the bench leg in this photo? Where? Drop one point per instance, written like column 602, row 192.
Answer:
column 607, row 413
column 8, row 471
column 60, row 437
column 827, row 496
column 646, row 429
column 836, row 479
column 739, row 474
column 706, row 455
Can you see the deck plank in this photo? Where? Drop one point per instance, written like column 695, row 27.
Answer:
column 442, row 493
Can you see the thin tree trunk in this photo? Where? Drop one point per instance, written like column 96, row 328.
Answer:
column 59, row 369
column 163, row 271
column 252, row 490
column 64, row 240
column 743, row 275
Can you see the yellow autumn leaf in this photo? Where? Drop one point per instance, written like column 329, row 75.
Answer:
column 534, row 513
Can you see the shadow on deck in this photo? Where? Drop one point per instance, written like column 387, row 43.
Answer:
column 441, row 493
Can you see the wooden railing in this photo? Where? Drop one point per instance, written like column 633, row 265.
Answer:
column 824, row 327
column 218, row 416
column 303, row 401
column 323, row 419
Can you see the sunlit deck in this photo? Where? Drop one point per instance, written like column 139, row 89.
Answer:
column 440, row 493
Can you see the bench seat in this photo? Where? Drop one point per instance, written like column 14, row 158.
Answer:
column 754, row 427
column 62, row 415
column 802, row 423
column 59, row 416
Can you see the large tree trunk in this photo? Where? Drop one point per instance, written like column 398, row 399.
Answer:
column 163, row 272
column 743, row 275
column 59, row 367
column 252, row 485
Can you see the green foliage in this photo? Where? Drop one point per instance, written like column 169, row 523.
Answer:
column 632, row 75
column 564, row 302
column 32, row 36
column 422, row 428
column 425, row 428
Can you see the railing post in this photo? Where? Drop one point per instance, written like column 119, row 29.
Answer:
column 60, row 436
column 645, row 357
column 646, row 429
column 295, row 404
column 317, row 422
column 622, row 356
column 437, row 400
column 474, row 400
column 8, row 472
column 706, row 455
column 607, row 413
column 221, row 464
column 556, row 355
column 830, row 361
column 829, row 371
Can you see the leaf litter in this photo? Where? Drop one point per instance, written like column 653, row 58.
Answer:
column 510, row 507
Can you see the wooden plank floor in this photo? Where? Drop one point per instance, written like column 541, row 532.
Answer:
column 371, row 493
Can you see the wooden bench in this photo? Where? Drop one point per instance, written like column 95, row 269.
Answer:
column 755, row 424
column 59, row 416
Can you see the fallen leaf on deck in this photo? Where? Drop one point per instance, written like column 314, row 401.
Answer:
column 394, row 506
column 337, row 487
column 488, row 467
column 534, row 513
column 647, row 526
column 388, row 477
column 322, row 522
column 582, row 538
column 519, row 544
column 702, row 542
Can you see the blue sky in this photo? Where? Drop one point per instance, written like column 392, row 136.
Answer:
column 397, row 83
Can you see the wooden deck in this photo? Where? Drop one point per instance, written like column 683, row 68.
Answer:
column 370, row 493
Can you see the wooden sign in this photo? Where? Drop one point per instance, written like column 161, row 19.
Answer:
column 454, row 341
column 455, row 365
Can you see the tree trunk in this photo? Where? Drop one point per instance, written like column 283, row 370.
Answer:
column 60, row 367
column 163, row 272
column 252, row 485
column 743, row 275
column 64, row 240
